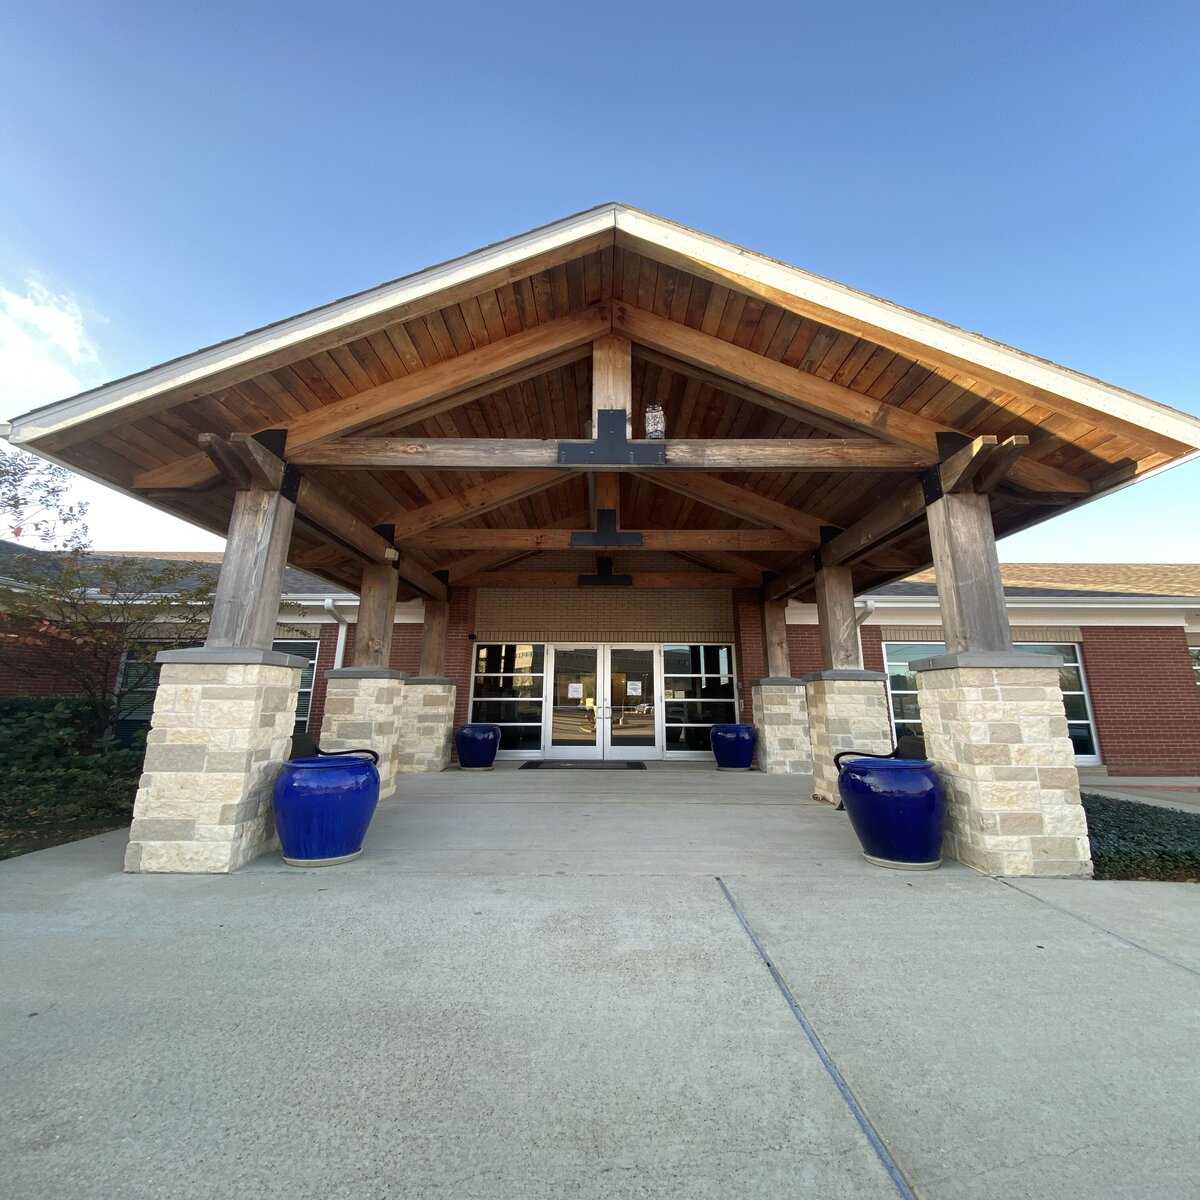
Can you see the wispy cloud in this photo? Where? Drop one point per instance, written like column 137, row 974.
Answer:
column 46, row 350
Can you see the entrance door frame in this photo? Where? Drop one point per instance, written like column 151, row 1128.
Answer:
column 604, row 748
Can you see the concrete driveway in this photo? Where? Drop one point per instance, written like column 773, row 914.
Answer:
column 556, row 984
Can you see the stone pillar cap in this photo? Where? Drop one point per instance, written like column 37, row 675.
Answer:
column 432, row 679
column 365, row 673
column 989, row 659
column 231, row 656
column 847, row 674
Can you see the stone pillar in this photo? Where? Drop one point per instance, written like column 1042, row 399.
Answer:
column 426, row 724
column 363, row 710
column 781, row 721
column 996, row 730
column 221, row 729
column 847, row 710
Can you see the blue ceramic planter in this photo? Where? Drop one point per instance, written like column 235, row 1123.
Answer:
column 733, row 746
column 897, row 809
column 323, row 807
column 477, row 745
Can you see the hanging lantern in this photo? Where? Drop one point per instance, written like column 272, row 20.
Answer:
column 656, row 422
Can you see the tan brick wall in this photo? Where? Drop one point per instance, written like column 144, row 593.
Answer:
column 603, row 615
column 426, row 727
column 781, row 722
column 1020, row 633
column 844, row 714
column 365, row 713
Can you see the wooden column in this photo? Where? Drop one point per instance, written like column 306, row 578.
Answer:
column 970, row 593
column 433, row 637
column 612, row 379
column 376, row 616
column 779, row 664
column 246, row 607
column 840, row 648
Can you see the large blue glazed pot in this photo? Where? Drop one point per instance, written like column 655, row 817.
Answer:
column 897, row 809
column 477, row 745
column 323, row 807
column 733, row 746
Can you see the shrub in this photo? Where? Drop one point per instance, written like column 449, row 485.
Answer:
column 1141, row 841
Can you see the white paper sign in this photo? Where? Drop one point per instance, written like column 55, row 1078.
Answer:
column 633, row 687
column 574, row 691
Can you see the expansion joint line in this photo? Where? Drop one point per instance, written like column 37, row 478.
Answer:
column 864, row 1122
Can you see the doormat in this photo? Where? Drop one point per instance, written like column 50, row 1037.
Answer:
column 586, row 765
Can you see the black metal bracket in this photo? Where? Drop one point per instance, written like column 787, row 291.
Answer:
column 606, row 532
column 611, row 446
column 931, row 480
column 604, row 576
column 289, row 486
column 443, row 575
column 274, row 440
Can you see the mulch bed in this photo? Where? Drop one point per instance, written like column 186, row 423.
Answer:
column 1141, row 841
column 24, row 839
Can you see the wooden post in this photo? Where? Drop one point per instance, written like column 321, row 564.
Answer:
column 775, row 638
column 970, row 592
column 376, row 616
column 246, row 607
column 840, row 648
column 433, row 637
column 612, row 379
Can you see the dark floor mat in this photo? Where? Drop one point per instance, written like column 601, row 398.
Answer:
column 586, row 765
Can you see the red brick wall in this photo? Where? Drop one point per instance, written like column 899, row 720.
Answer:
column 748, row 645
column 804, row 649
column 459, row 647
column 1144, row 699
column 28, row 671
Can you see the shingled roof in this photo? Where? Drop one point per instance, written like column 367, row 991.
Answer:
column 1080, row 580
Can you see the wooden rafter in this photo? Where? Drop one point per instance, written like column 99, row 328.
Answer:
column 483, row 497
column 451, row 383
column 494, row 560
column 458, row 538
column 570, row 579
column 813, row 394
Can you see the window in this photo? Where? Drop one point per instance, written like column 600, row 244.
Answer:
column 507, row 685
column 906, row 714
column 699, row 691
column 1195, row 653
column 139, row 674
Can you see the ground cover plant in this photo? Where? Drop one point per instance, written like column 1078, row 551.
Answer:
column 1141, row 841
column 56, row 784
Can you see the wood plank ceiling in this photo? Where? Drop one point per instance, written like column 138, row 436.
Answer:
column 556, row 403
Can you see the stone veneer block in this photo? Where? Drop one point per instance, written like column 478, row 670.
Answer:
column 847, row 710
column 781, row 721
column 364, row 710
column 998, row 738
column 219, row 733
column 426, row 725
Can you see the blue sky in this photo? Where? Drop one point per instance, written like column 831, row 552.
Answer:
column 171, row 175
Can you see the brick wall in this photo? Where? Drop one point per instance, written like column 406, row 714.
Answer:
column 748, row 646
column 1144, row 699
column 459, row 647
column 27, row 671
column 804, row 648
column 406, row 656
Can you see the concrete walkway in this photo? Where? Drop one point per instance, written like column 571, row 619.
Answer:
column 546, row 984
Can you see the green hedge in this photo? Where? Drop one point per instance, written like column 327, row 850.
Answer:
column 48, row 773
column 1131, row 840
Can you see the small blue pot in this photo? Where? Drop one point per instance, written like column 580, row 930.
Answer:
column 733, row 746
column 897, row 809
column 477, row 746
column 323, row 807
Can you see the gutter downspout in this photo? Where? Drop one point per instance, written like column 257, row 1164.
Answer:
column 339, row 650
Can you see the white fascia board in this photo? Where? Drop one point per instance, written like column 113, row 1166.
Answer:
column 244, row 350
column 937, row 335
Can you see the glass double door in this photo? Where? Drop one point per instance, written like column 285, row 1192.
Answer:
column 603, row 702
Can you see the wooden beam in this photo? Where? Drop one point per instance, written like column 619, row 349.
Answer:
column 728, row 562
column 861, row 541
column 433, row 637
column 606, row 493
column 652, row 539
column 483, row 497
column 813, row 394
column 416, row 576
column 981, row 464
column 246, row 607
column 230, row 467
column 376, row 616
column 330, row 514
column 493, row 560
column 682, row 454
column 779, row 664
column 446, row 381
column 840, row 648
column 919, row 351
column 570, row 579
column 612, row 379
column 970, row 592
